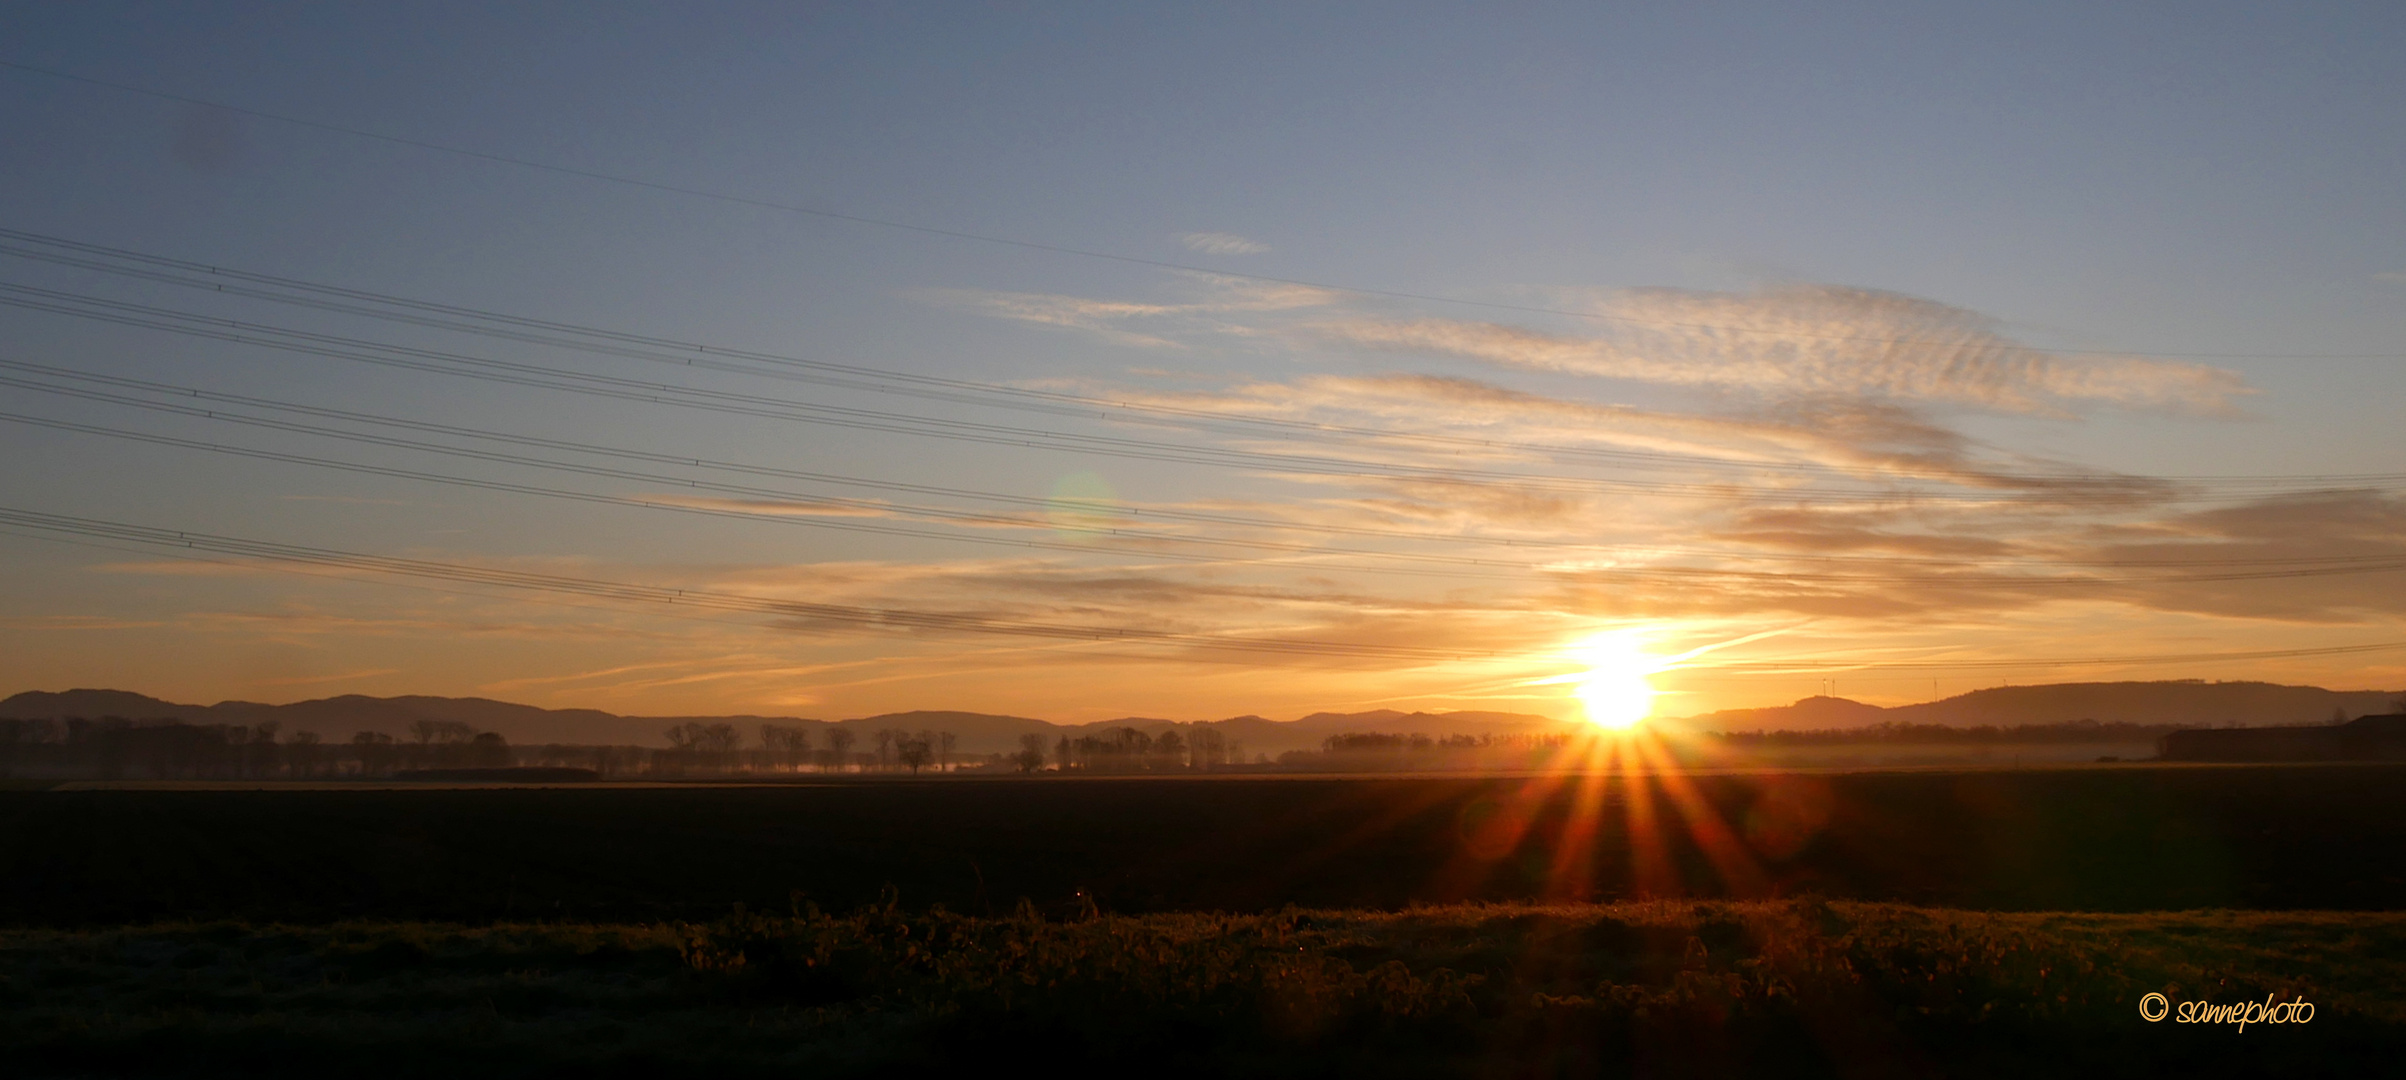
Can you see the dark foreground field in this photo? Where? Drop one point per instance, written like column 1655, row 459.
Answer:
column 1369, row 927
column 1661, row 989
column 2098, row 839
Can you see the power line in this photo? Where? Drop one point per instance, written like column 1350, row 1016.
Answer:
column 1059, row 249
column 762, row 515
column 2065, row 489
column 886, row 618
column 1962, row 580
column 682, row 353
column 471, row 320
column 872, row 505
column 512, row 487
column 191, row 557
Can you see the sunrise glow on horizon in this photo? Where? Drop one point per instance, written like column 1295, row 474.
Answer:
column 1463, row 540
column 1120, row 387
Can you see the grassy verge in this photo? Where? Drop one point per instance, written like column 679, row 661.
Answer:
column 1790, row 988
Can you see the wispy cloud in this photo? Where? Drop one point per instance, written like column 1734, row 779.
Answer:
column 1218, row 305
column 1814, row 341
column 1490, row 487
column 1100, row 317
column 1478, row 422
column 1792, row 343
column 1220, row 243
column 2321, row 556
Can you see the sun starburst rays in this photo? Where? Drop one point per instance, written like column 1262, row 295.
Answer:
column 1625, row 817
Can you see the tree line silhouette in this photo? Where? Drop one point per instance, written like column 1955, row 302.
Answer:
column 2071, row 731
column 1129, row 750
column 113, row 747
column 1375, row 752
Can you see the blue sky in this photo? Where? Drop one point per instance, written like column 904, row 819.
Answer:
column 2199, row 203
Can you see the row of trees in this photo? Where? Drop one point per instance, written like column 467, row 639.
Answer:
column 719, row 748
column 165, row 749
column 1129, row 750
column 698, row 749
column 1380, row 751
column 2073, row 731
column 114, row 747
column 1372, row 742
column 695, row 747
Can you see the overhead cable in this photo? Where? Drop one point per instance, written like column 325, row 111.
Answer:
column 2070, row 490
column 1158, row 514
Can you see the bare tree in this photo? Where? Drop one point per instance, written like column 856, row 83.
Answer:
column 839, row 741
column 787, row 745
column 720, row 741
column 681, row 748
column 438, row 742
column 488, row 750
column 945, row 741
column 708, row 745
column 1131, row 742
column 259, row 757
column 1208, row 746
column 1031, row 753
column 435, row 732
column 375, row 752
column 301, row 754
column 915, row 751
column 886, row 737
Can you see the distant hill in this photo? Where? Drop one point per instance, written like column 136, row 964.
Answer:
column 2192, row 702
column 336, row 718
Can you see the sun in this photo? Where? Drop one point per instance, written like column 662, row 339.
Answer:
column 1614, row 688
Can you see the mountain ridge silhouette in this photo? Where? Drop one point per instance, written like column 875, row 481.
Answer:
column 2186, row 702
